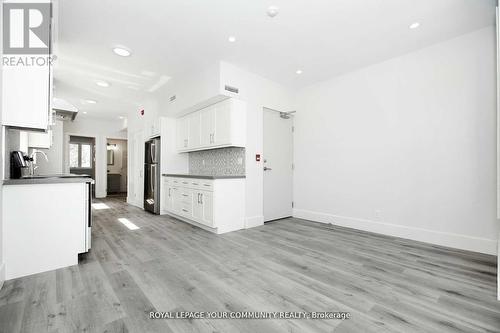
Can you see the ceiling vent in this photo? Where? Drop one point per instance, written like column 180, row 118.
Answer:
column 234, row 90
column 172, row 98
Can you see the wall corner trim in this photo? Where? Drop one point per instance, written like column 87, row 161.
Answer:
column 254, row 221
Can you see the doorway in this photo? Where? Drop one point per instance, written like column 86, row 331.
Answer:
column 117, row 165
column 82, row 156
column 278, row 164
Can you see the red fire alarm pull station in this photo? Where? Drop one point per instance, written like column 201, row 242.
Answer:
column 257, row 157
column 142, row 112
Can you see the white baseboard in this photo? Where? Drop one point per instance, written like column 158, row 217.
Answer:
column 254, row 221
column 2, row 275
column 463, row 242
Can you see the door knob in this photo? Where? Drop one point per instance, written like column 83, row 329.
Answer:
column 266, row 168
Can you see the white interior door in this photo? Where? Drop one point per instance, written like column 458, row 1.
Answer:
column 278, row 166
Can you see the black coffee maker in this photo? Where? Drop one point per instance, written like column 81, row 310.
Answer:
column 18, row 165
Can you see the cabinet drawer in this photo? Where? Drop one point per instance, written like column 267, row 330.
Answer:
column 184, row 182
column 185, row 195
column 201, row 184
column 207, row 185
column 185, row 209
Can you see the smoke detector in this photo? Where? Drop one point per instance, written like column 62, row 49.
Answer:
column 272, row 11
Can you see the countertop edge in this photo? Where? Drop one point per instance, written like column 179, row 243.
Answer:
column 203, row 176
column 42, row 181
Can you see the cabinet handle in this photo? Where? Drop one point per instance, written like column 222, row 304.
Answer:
column 201, row 198
column 196, row 184
column 184, row 195
column 169, row 190
column 206, row 184
column 198, row 197
column 184, row 210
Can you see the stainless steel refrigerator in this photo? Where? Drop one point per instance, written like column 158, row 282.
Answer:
column 152, row 176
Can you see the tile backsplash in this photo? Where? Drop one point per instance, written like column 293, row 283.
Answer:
column 218, row 162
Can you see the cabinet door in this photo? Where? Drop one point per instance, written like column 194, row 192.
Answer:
column 25, row 96
column 176, row 200
column 194, row 130
column 207, row 203
column 182, row 133
column 197, row 207
column 155, row 127
column 169, row 198
column 207, row 126
column 222, row 132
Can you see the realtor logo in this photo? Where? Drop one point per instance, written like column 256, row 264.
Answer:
column 26, row 28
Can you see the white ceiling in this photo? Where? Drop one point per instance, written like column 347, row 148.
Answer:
column 167, row 38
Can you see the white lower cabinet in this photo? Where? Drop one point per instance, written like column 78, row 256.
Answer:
column 217, row 205
column 203, row 207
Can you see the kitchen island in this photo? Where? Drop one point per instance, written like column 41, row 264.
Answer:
column 46, row 222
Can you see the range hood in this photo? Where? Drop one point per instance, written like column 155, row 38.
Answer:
column 63, row 109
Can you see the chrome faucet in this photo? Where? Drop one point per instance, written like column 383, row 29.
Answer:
column 33, row 160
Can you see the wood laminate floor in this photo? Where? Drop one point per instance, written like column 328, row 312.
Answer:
column 387, row 284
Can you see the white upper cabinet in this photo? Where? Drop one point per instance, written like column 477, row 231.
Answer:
column 219, row 125
column 26, row 96
column 207, row 119
column 27, row 84
column 194, row 130
column 222, row 134
column 152, row 128
column 182, row 129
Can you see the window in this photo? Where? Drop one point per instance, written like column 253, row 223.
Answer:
column 80, row 155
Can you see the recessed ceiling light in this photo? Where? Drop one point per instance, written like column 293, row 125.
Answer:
column 122, row 51
column 414, row 25
column 120, row 117
column 298, row 71
column 84, row 112
column 102, row 83
column 231, row 39
column 90, row 101
column 272, row 11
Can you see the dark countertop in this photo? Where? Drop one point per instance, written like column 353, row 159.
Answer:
column 49, row 179
column 180, row 175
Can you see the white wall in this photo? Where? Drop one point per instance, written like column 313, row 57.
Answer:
column 55, row 164
column 201, row 88
column 101, row 130
column 2, row 267
column 406, row 147
column 136, row 124
column 257, row 92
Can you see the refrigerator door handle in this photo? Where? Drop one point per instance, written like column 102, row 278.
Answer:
column 153, row 174
column 151, row 152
